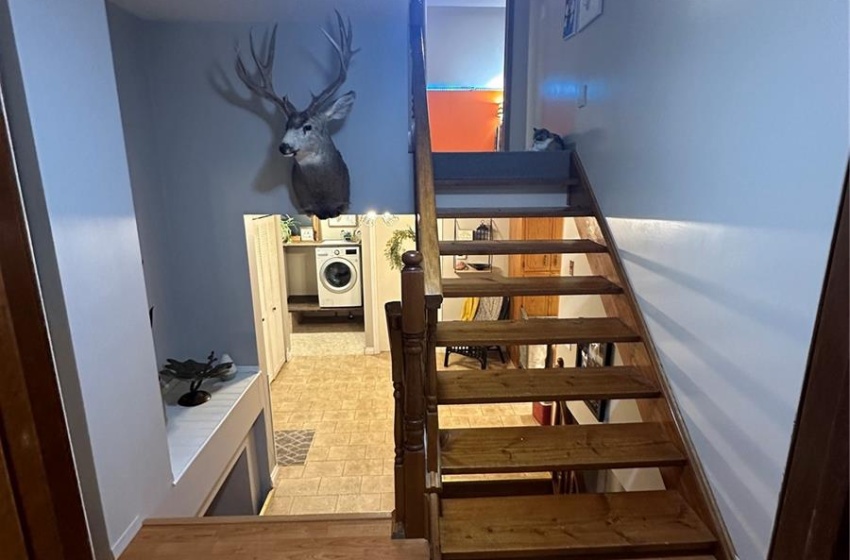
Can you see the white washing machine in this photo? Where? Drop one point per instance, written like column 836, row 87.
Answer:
column 339, row 275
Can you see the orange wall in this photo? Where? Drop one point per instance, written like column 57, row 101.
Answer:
column 464, row 121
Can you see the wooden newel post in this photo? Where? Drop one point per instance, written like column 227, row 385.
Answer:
column 413, row 327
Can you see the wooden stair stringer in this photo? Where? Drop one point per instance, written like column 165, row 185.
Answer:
column 690, row 481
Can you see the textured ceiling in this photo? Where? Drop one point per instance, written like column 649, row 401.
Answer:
column 260, row 10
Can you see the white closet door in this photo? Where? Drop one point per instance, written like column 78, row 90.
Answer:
column 267, row 235
column 273, row 251
column 261, row 258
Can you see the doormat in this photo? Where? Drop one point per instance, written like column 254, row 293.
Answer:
column 291, row 446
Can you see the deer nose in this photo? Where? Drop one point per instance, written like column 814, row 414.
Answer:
column 285, row 149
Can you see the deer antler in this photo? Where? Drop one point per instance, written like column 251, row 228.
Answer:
column 263, row 85
column 345, row 53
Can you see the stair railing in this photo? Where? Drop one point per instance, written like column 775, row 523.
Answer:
column 412, row 327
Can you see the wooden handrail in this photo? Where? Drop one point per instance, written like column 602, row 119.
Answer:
column 426, row 204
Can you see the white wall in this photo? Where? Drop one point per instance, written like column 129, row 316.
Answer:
column 387, row 279
column 716, row 140
column 466, row 46
column 77, row 189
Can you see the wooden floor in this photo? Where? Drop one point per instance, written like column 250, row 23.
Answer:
column 273, row 538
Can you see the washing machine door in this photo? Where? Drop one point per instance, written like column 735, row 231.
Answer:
column 338, row 275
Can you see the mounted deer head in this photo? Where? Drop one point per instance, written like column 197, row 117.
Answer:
column 320, row 178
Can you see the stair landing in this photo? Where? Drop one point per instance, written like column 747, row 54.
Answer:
column 273, row 538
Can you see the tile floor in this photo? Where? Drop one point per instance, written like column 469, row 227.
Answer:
column 331, row 337
column 347, row 401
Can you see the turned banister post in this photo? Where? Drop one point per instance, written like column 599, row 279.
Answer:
column 393, row 311
column 413, row 329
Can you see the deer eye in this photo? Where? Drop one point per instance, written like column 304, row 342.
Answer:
column 307, row 128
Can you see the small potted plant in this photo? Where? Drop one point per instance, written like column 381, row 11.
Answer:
column 287, row 227
column 196, row 373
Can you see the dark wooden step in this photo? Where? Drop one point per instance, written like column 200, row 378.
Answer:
column 533, row 212
column 502, row 168
column 529, row 385
column 556, row 448
column 494, row 488
column 493, row 286
column 533, row 331
column 620, row 525
column 521, row 247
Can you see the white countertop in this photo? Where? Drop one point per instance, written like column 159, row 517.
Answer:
column 189, row 428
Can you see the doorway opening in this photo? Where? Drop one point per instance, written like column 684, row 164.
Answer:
column 319, row 289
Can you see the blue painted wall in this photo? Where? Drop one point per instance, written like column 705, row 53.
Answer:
column 199, row 161
column 716, row 139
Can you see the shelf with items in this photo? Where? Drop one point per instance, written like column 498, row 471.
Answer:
column 473, row 264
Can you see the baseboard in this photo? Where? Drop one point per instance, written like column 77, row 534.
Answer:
column 126, row 537
column 371, row 351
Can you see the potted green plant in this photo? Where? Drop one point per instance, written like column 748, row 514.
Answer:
column 286, row 226
column 195, row 373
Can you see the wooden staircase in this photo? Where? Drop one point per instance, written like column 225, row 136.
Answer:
column 528, row 518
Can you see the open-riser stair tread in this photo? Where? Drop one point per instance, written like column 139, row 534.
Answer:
column 521, row 247
column 544, row 384
column 489, row 168
column 495, row 286
column 618, row 525
column 519, row 212
column 533, row 331
column 493, row 488
column 556, row 448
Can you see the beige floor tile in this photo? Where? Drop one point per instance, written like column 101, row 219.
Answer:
column 365, row 467
column 292, row 471
column 354, row 426
column 306, row 417
column 347, row 452
column 359, row 503
column 387, row 502
column 484, row 422
column 299, row 486
column 328, row 439
column 317, row 454
column 381, row 426
column 325, row 426
column 450, row 422
column 279, row 505
column 340, row 485
column 382, row 451
column 313, row 504
column 347, row 405
column 376, row 484
column 323, row 469
column 465, row 410
column 370, row 438
column 339, row 415
column 389, row 466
